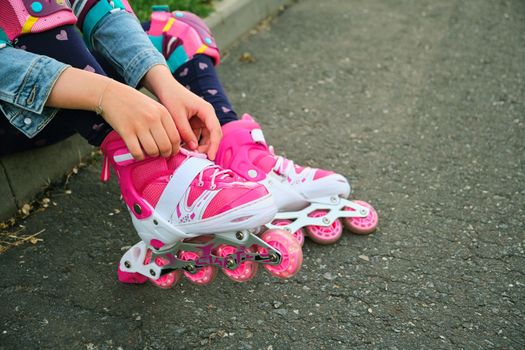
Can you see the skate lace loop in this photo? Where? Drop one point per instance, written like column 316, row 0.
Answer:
column 285, row 167
column 294, row 173
column 218, row 172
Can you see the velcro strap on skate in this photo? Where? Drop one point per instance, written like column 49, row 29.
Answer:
column 119, row 158
column 178, row 184
column 258, row 136
column 100, row 10
column 4, row 40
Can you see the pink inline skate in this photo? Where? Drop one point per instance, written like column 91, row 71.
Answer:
column 194, row 217
column 311, row 202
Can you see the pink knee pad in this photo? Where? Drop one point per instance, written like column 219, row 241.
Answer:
column 181, row 35
column 19, row 17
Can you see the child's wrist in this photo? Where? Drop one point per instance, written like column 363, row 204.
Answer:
column 157, row 79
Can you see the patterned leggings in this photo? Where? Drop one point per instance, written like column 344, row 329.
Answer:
column 66, row 45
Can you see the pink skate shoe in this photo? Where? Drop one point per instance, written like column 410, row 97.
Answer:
column 194, row 217
column 308, row 198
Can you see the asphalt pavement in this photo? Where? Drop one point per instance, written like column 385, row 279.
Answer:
column 421, row 104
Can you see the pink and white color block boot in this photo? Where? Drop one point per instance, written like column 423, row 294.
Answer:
column 311, row 199
column 194, row 217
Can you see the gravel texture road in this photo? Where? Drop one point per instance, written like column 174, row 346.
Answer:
column 421, row 104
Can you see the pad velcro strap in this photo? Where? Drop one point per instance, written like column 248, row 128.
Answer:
column 178, row 184
column 100, row 10
column 78, row 7
column 4, row 40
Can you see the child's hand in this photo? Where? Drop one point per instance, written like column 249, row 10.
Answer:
column 142, row 122
column 193, row 116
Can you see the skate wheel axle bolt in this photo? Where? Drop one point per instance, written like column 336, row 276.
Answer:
column 326, row 220
column 230, row 263
column 239, row 235
column 127, row 264
column 152, row 272
column 190, row 268
column 333, row 199
column 274, row 257
column 137, row 208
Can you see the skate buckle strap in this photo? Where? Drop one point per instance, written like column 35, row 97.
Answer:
column 179, row 183
column 121, row 158
column 258, row 136
column 117, row 158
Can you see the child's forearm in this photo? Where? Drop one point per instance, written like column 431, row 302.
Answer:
column 160, row 82
column 78, row 89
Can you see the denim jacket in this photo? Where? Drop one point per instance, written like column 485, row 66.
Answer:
column 27, row 79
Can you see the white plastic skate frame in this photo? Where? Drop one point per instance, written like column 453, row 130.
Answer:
column 333, row 205
column 133, row 261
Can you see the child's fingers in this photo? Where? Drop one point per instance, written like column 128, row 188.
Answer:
column 162, row 140
column 197, row 126
column 173, row 134
column 215, row 135
column 213, row 129
column 204, row 143
column 134, row 147
column 148, row 144
column 186, row 132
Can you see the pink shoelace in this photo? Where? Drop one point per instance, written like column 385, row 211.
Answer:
column 218, row 172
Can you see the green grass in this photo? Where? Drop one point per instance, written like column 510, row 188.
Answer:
column 142, row 8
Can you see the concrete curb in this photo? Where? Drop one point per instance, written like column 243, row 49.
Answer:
column 233, row 18
column 23, row 175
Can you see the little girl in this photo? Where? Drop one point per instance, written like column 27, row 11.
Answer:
column 57, row 82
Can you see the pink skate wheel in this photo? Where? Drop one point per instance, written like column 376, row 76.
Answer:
column 244, row 272
column 362, row 225
column 165, row 281
column 299, row 234
column 324, row 234
column 290, row 249
column 202, row 276
column 131, row 277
